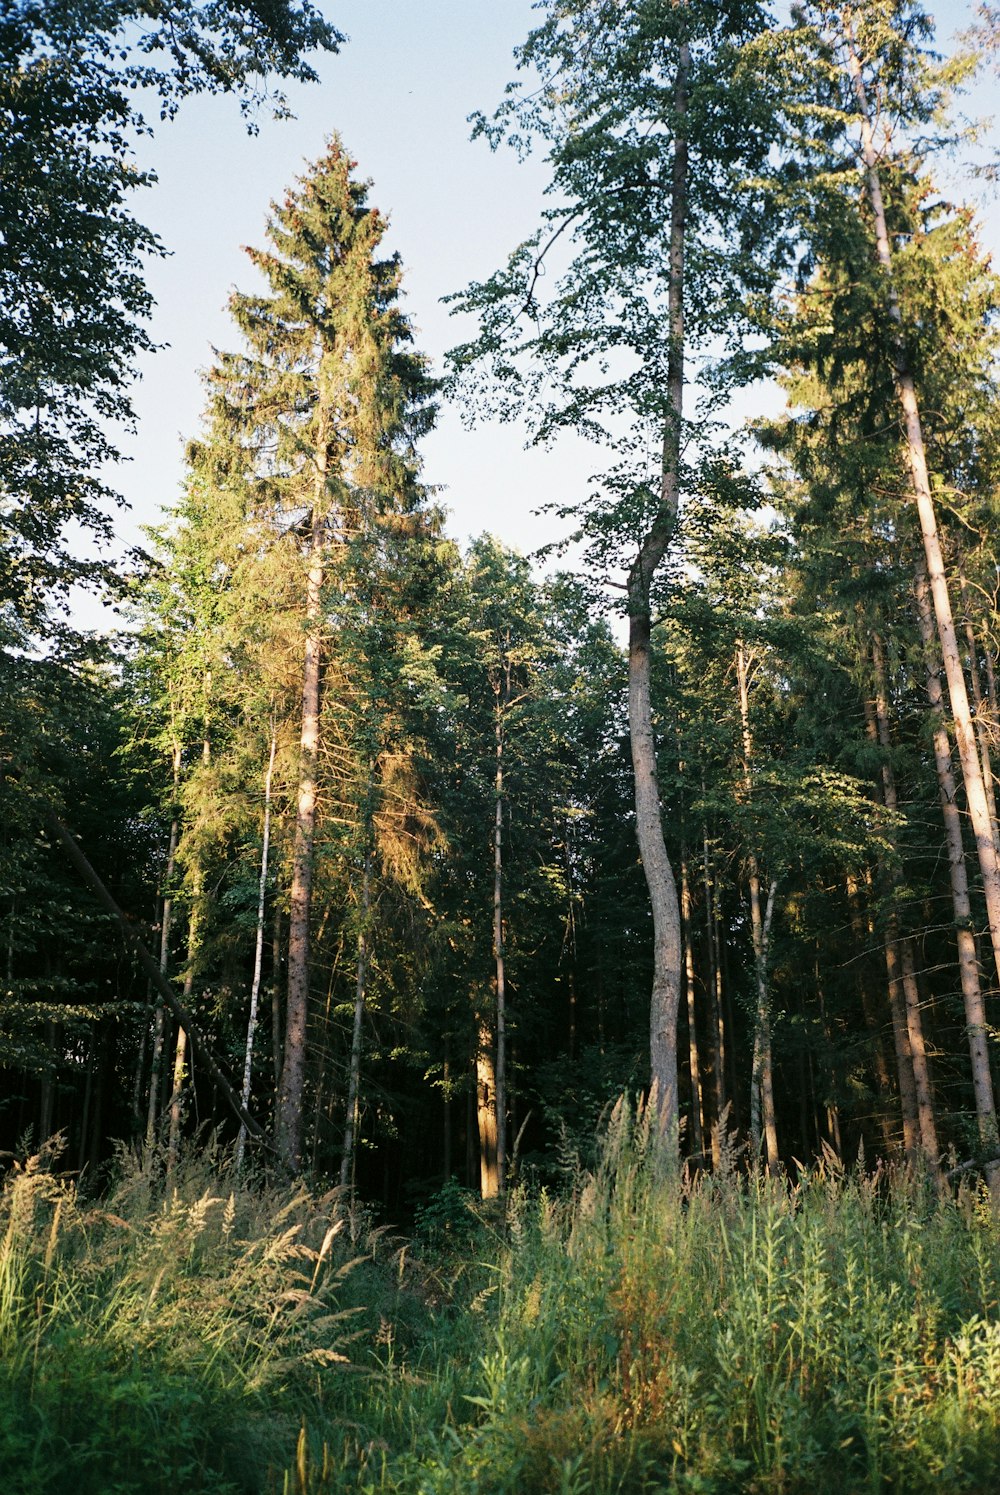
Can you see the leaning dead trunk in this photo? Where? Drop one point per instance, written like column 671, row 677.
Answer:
column 665, row 998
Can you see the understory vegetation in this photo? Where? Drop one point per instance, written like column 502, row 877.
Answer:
column 638, row 1330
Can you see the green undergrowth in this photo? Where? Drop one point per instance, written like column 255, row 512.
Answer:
column 639, row 1332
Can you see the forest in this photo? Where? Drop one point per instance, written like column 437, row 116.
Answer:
column 477, row 1022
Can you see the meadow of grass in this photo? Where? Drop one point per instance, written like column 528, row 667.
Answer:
column 635, row 1331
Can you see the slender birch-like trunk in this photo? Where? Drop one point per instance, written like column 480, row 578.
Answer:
column 258, row 953
column 360, row 996
column 288, row 1113
column 665, row 997
column 968, row 965
column 965, row 737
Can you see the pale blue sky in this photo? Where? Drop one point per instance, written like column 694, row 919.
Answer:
column 399, row 93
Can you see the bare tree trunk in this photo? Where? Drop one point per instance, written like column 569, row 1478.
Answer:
column 697, row 1120
column 288, row 1113
column 968, row 965
column 763, row 1125
column 665, row 998
column 975, row 791
column 360, row 993
column 498, row 941
column 906, row 973
column 258, row 954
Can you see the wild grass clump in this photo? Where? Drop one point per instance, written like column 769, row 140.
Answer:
column 172, row 1336
column 658, row 1333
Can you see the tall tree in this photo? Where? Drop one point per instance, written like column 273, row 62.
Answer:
column 652, row 116
column 318, row 420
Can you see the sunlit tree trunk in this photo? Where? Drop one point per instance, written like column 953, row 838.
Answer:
column 486, row 1115
column 665, row 999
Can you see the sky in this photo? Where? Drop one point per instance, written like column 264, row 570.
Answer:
column 399, row 93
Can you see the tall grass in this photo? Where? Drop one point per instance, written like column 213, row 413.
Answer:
column 172, row 1336
column 658, row 1333
column 641, row 1331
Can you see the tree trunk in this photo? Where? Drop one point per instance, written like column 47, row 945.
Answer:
column 715, row 999
column 498, row 942
column 968, row 965
column 665, row 998
column 763, row 1126
column 288, row 1113
column 983, row 719
column 901, row 946
column 159, row 1020
column 975, row 791
column 258, row 954
column 697, row 1120
column 360, row 993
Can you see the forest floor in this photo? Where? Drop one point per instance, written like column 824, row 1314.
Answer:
column 631, row 1333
